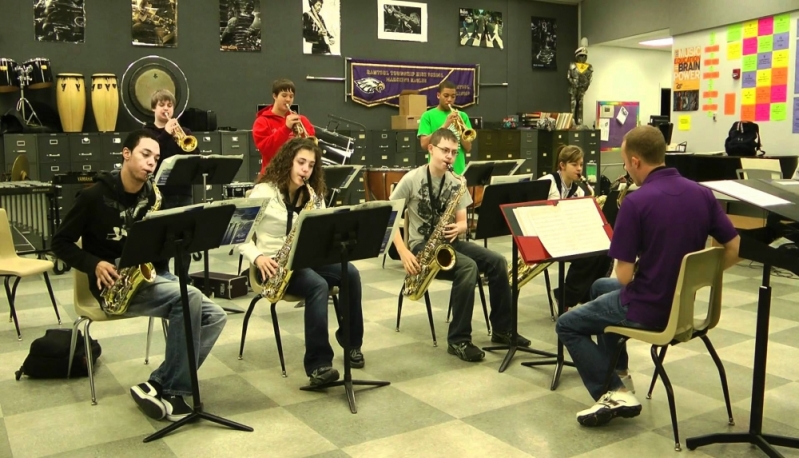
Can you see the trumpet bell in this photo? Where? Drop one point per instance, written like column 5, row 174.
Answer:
column 469, row 135
column 188, row 143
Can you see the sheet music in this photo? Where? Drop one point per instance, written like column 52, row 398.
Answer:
column 745, row 193
column 571, row 227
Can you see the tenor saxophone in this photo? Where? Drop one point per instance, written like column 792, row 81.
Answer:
column 274, row 287
column 437, row 253
column 115, row 300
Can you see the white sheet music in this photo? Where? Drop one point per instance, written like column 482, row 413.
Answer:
column 571, row 227
column 745, row 193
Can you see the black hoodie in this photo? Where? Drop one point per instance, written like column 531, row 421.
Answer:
column 169, row 148
column 101, row 216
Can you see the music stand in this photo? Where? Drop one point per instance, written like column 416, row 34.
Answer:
column 339, row 178
column 340, row 237
column 195, row 169
column 173, row 236
column 479, row 173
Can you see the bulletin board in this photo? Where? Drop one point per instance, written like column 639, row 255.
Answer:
column 614, row 120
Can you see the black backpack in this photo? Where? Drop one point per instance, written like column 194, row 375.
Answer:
column 743, row 140
column 49, row 356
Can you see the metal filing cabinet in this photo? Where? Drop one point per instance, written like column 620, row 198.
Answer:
column 528, row 166
column 53, row 152
column 509, row 144
column 49, row 169
column 84, row 148
column 111, row 144
column 362, row 139
column 237, row 143
column 406, row 141
column 254, row 168
column 22, row 144
column 384, row 146
column 591, row 149
column 528, row 144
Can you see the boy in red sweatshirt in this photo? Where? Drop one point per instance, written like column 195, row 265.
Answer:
column 274, row 126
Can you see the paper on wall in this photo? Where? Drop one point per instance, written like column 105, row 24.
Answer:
column 604, row 130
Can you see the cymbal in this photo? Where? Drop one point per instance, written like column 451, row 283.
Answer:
column 21, row 169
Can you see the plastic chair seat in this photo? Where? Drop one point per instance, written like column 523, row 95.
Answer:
column 22, row 267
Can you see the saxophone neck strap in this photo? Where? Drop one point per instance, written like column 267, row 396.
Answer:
column 291, row 207
column 435, row 202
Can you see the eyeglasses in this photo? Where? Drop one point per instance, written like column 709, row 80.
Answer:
column 447, row 151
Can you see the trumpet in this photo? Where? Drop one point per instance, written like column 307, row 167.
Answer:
column 466, row 133
column 187, row 143
column 299, row 129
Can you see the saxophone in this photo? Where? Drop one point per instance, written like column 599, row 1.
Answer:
column 115, row 300
column 437, row 254
column 275, row 286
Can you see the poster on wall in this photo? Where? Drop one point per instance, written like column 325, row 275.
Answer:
column 155, row 23
column 687, row 73
column 240, row 25
column 401, row 20
column 480, row 28
column 321, row 27
column 63, row 22
column 545, row 38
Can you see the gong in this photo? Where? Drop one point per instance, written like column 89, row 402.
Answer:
column 147, row 75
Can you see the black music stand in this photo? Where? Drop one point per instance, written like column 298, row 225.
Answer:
column 339, row 178
column 479, row 173
column 195, row 169
column 172, row 236
column 341, row 237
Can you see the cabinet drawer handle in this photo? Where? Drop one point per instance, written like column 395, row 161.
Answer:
column 85, row 154
column 54, row 168
column 53, row 141
column 54, row 155
column 87, row 167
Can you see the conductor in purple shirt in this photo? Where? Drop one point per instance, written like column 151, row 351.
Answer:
column 666, row 218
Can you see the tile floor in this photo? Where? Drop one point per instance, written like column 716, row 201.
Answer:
column 436, row 404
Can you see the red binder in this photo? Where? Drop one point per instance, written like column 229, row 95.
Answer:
column 531, row 249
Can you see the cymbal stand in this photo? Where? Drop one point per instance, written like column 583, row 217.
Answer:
column 24, row 80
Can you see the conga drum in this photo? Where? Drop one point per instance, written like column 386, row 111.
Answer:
column 9, row 81
column 380, row 180
column 71, row 101
column 105, row 101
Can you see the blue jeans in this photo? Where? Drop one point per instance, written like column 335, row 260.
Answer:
column 169, row 201
column 161, row 299
column 313, row 285
column 576, row 327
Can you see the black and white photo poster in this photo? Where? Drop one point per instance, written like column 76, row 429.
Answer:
column 401, row 20
column 240, row 25
column 321, row 27
column 155, row 23
column 545, row 38
column 480, row 28
column 61, row 21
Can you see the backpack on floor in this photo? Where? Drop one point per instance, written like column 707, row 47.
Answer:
column 743, row 140
column 49, row 356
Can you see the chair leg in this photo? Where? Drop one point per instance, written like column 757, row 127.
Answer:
column 384, row 259
column 552, row 312
column 399, row 308
column 662, row 357
column 483, row 300
column 73, row 341
column 241, row 259
column 149, row 339
column 165, row 327
column 612, row 366
column 339, row 317
column 670, row 394
column 10, row 296
column 278, row 340
column 52, row 297
column 245, row 323
column 722, row 375
column 430, row 317
column 449, row 310
column 89, row 358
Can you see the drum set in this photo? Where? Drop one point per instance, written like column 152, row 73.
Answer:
column 33, row 74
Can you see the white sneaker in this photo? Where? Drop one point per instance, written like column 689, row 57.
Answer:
column 627, row 380
column 613, row 404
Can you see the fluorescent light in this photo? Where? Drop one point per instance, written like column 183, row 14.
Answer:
column 659, row 42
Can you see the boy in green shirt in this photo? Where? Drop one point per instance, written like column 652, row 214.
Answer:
column 443, row 116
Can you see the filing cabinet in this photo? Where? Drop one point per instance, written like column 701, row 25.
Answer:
column 488, row 141
column 405, row 159
column 243, row 174
column 84, row 147
column 208, row 143
column 33, row 167
column 237, row 142
column 21, row 144
column 49, row 169
column 254, row 168
column 362, row 139
column 528, row 166
column 406, row 142
column 359, row 157
column 53, row 148
column 383, row 149
column 421, row 158
column 91, row 166
column 252, row 147
column 111, row 144
column 509, row 140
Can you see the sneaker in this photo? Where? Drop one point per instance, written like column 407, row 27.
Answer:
column 357, row 360
column 323, row 376
column 466, row 351
column 176, row 407
column 148, row 400
column 627, row 380
column 505, row 338
column 613, row 404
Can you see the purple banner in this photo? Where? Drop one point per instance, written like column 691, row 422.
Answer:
column 375, row 83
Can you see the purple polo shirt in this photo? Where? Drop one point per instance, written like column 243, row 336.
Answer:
column 666, row 218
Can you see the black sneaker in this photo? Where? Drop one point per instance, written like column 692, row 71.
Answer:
column 466, row 351
column 504, row 338
column 176, row 407
column 356, row 356
column 149, row 400
column 323, row 376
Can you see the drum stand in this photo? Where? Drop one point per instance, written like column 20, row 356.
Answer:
column 24, row 80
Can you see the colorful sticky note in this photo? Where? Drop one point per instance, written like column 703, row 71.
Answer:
column 796, row 115
column 750, row 29
column 734, row 50
column 750, row 63
column 781, row 41
column 747, row 112
column 764, row 77
column 729, row 103
column 779, row 76
column 763, row 95
column 684, row 122
column 763, row 60
column 779, row 58
column 782, row 23
column 762, row 112
column 710, row 94
column 749, row 80
column 779, row 111
column 765, row 43
column 779, row 93
column 713, row 38
column 765, row 26
column 734, row 33
column 748, row 96
column 750, row 46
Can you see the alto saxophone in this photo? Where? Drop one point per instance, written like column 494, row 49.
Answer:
column 115, row 300
column 437, row 254
column 274, row 287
